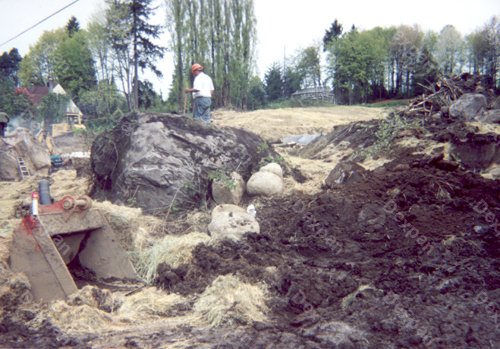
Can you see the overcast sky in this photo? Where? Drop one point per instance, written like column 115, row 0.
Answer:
column 283, row 26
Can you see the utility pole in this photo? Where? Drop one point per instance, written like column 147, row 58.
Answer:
column 284, row 70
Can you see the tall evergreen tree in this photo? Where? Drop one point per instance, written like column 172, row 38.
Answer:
column 9, row 65
column 292, row 80
column 131, row 36
column 117, row 36
column 426, row 72
column 273, row 83
column 72, row 27
column 332, row 34
column 144, row 51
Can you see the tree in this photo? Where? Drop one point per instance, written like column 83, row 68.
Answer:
column 332, row 34
column 37, row 66
column 356, row 62
column 144, row 51
column 308, row 66
column 131, row 37
column 178, row 30
column 9, row 65
column 117, row 36
column 73, row 26
column 273, row 83
column 11, row 102
column 292, row 80
column 220, row 35
column 405, row 46
column 483, row 47
column 449, row 52
column 147, row 95
column 100, row 47
column 102, row 102
column 74, row 65
column 257, row 94
column 426, row 71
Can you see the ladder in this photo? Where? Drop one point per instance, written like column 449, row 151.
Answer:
column 23, row 170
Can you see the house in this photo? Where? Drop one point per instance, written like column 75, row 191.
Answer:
column 314, row 93
column 73, row 114
column 74, row 117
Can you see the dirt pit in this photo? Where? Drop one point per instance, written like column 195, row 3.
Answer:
column 406, row 258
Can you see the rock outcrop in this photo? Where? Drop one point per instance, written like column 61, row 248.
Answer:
column 21, row 143
column 161, row 162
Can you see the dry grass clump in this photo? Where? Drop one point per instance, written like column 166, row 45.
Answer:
column 95, row 297
column 81, row 318
column 66, row 182
column 5, row 241
column 149, row 301
column 230, row 301
column 175, row 250
column 132, row 228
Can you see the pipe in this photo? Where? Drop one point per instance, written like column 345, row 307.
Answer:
column 44, row 190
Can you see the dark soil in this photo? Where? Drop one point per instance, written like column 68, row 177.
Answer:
column 424, row 238
column 406, row 257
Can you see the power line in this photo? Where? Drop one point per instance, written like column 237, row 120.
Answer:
column 40, row 22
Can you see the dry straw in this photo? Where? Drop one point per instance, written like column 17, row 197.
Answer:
column 174, row 250
column 149, row 301
column 81, row 318
column 229, row 301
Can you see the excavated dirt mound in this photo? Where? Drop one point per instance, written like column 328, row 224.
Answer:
column 408, row 258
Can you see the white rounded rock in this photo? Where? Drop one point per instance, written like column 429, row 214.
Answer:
column 231, row 222
column 225, row 193
column 273, row 168
column 265, row 183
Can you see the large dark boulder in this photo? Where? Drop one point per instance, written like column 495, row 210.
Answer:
column 468, row 106
column 162, row 162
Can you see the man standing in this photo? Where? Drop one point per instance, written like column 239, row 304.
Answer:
column 202, row 93
column 4, row 120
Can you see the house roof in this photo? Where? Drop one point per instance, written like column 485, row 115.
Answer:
column 36, row 93
column 312, row 90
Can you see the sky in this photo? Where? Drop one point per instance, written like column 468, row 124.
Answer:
column 283, row 26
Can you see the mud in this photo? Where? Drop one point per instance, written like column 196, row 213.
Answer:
column 408, row 258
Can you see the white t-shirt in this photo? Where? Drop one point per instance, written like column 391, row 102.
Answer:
column 203, row 83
